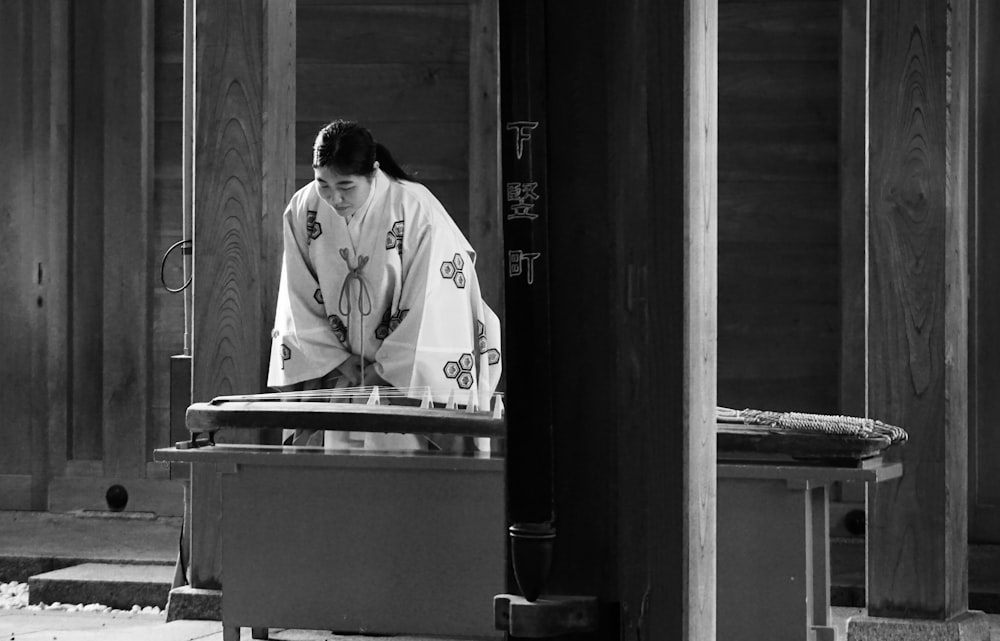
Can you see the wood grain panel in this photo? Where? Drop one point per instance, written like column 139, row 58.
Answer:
column 391, row 33
column 778, row 31
column 767, row 273
column 917, row 303
column 779, row 91
column 796, row 214
column 780, row 152
column 228, row 199
column 433, row 92
column 778, row 202
column 127, row 210
column 798, row 393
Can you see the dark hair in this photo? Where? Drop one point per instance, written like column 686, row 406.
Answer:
column 351, row 150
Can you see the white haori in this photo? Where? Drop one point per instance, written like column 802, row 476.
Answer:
column 395, row 285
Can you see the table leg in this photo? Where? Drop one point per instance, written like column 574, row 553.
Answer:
column 258, row 633
column 230, row 633
column 819, row 499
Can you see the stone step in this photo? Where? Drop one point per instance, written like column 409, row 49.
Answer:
column 118, row 585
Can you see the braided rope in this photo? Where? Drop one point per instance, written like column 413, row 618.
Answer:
column 823, row 423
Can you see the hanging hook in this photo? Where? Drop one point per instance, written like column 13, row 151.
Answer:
column 163, row 262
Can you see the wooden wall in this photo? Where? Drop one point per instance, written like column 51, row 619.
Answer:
column 400, row 68
column 779, row 325
column 422, row 75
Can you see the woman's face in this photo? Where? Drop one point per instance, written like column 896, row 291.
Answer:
column 345, row 193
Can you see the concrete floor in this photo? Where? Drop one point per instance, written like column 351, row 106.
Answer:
column 93, row 536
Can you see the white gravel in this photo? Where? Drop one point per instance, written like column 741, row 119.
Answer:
column 14, row 596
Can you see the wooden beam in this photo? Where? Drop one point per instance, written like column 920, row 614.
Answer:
column 128, row 190
column 918, row 316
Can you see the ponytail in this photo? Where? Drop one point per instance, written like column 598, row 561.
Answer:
column 350, row 149
column 388, row 164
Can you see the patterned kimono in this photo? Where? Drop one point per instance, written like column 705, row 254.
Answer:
column 395, row 285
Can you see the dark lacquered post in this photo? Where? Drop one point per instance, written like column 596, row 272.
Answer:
column 530, row 509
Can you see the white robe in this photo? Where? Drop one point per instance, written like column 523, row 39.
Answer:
column 427, row 325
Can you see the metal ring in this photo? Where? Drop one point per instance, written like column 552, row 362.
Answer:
column 163, row 263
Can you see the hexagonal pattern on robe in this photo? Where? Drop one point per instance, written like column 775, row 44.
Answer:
column 451, row 369
column 465, row 380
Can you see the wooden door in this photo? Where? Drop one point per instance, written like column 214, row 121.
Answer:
column 84, row 399
column 23, row 263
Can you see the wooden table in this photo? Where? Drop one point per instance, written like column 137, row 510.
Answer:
column 774, row 544
column 359, row 541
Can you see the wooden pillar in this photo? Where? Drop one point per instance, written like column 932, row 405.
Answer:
column 662, row 165
column 128, row 201
column 918, row 323
column 484, row 150
column 244, row 117
column 632, row 146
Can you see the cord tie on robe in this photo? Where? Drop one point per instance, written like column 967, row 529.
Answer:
column 355, row 273
column 364, row 298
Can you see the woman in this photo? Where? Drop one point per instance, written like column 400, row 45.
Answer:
column 378, row 286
